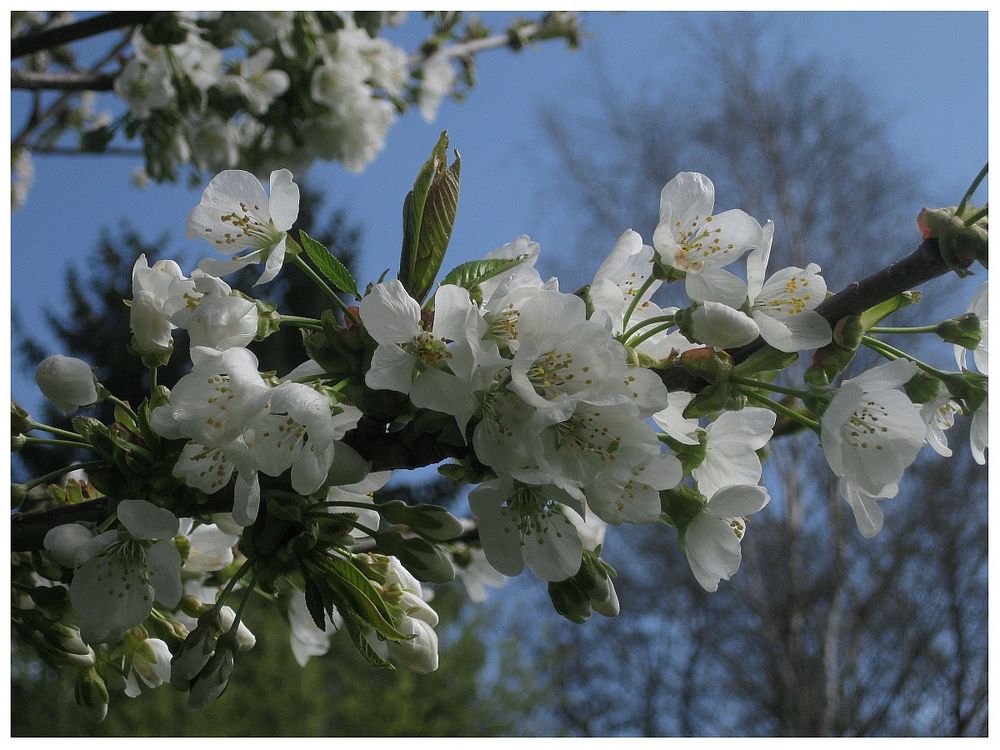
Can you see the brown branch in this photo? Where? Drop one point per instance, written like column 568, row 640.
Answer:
column 407, row 449
column 45, row 80
column 71, row 32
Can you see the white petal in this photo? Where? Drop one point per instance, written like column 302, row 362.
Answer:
column 391, row 369
column 146, row 521
column 283, row 204
column 737, row 500
column 721, row 326
column 712, row 549
column 390, row 315
column 716, row 285
column 164, row 564
column 553, row 553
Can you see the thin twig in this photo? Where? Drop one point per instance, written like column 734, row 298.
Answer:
column 61, row 81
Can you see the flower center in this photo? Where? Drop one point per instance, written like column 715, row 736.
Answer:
column 862, row 430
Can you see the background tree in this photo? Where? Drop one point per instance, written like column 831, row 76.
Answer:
column 822, row 632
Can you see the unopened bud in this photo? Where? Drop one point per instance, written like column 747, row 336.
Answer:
column 680, row 506
column 425, row 560
column 92, row 694
column 213, row 679
column 18, row 492
column 194, row 652
column 570, row 601
column 609, row 607
column 964, row 330
column 244, row 639
column 922, row 388
column 20, row 421
column 67, row 382
column 430, row 521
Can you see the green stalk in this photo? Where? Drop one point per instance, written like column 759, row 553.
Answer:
column 972, row 188
column 324, row 287
column 890, row 352
column 65, row 470
column 299, row 322
column 642, row 324
column 984, row 211
column 903, row 329
column 49, row 441
column 750, row 382
column 53, row 430
column 649, row 334
column 812, row 424
column 635, row 300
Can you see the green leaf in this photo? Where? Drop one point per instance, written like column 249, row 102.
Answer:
column 428, row 219
column 334, row 271
column 315, row 604
column 475, row 272
column 363, row 646
column 362, row 597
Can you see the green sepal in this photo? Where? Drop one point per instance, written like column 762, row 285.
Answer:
column 874, row 315
column 426, row 561
column 431, row 521
column 765, row 359
column 965, row 331
column 690, row 456
column 328, row 264
column 570, row 601
column 922, row 388
column 428, row 219
column 680, row 506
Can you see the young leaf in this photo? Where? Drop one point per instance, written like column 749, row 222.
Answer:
column 428, row 219
column 475, row 272
column 334, row 271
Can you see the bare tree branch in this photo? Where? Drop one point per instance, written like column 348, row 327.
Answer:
column 71, row 32
column 42, row 80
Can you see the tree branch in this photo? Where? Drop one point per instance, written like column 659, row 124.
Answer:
column 45, row 80
column 407, row 449
column 71, row 32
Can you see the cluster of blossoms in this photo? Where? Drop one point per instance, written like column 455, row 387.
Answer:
column 569, row 411
column 219, row 89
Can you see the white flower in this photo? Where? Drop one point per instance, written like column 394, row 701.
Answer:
column 693, row 240
column 119, row 574
column 870, row 431
column 256, row 82
column 732, row 442
column 939, row 415
column 712, row 540
column 476, row 574
column 979, row 433
column 214, row 317
column 150, row 662
column 521, row 524
column 145, row 85
column 439, row 368
column 305, row 638
column 235, row 214
column 633, row 495
column 620, row 276
column 784, row 307
column 438, row 78
column 673, row 422
column 979, row 306
column 215, row 402
column 867, row 513
column 157, row 294
column 210, row 549
column 67, row 382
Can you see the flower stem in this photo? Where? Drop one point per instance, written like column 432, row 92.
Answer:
column 318, row 280
column 972, row 188
column 649, row 334
column 890, row 352
column 152, row 378
column 50, row 441
column 359, row 526
column 59, row 472
column 344, row 504
column 231, row 584
column 751, row 383
column 128, row 409
column 299, row 322
column 780, row 408
column 903, row 329
column 53, row 430
column 635, row 299
column 984, row 211
column 643, row 323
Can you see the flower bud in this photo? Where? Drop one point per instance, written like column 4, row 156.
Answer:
column 721, row 326
column 245, row 640
column 423, row 559
column 429, row 521
column 965, row 331
column 194, row 653
column 67, row 382
column 213, row 679
column 609, row 607
column 92, row 694
column 20, row 420
column 420, row 653
column 922, row 388
column 570, row 601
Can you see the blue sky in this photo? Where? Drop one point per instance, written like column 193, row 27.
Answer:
column 925, row 71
